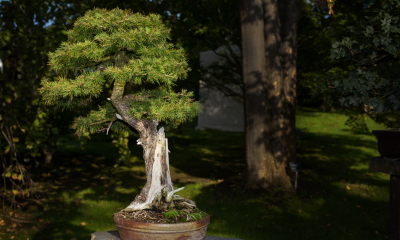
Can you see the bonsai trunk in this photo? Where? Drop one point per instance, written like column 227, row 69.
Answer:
column 159, row 184
column 158, row 192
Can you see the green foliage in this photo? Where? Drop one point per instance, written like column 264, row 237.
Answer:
column 388, row 119
column 121, row 140
column 88, row 84
column 91, row 54
column 357, row 122
column 317, row 31
column 197, row 214
column 172, row 214
column 166, row 106
column 373, row 48
column 181, row 216
column 29, row 129
column 44, row 132
column 95, row 120
column 107, row 46
column 202, row 26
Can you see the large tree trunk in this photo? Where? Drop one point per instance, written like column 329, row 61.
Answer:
column 254, row 78
column 270, row 88
column 277, row 160
column 289, row 16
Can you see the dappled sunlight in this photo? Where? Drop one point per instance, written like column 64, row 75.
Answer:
column 337, row 194
column 359, row 166
column 336, row 190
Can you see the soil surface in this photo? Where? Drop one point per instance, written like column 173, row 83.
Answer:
column 166, row 216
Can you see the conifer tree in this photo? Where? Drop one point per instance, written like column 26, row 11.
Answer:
column 119, row 49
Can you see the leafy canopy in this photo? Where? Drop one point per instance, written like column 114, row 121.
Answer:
column 374, row 46
column 107, row 46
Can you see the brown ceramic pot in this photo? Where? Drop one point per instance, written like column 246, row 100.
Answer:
column 132, row 230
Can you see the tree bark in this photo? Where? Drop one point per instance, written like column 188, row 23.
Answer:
column 269, row 75
column 158, row 192
column 289, row 16
column 277, row 159
column 155, row 153
column 254, row 79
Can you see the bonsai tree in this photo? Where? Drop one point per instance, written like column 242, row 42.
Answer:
column 126, row 55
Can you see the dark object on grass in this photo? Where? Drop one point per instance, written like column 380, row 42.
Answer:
column 295, row 167
column 391, row 166
column 388, row 142
column 142, row 231
column 298, row 134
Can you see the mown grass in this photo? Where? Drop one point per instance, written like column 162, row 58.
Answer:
column 337, row 196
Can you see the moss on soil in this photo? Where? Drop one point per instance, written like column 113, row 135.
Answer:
column 175, row 216
column 172, row 215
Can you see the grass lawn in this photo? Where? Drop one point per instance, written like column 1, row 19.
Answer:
column 337, row 196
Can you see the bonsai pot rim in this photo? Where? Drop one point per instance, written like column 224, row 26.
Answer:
column 129, row 229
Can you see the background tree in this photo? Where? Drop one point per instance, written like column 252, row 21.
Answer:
column 122, row 48
column 269, row 78
column 204, row 26
column 26, row 36
column 370, row 82
column 317, row 32
column 208, row 25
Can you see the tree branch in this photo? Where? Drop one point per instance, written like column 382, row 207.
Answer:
column 119, row 102
column 387, row 94
column 96, row 63
column 129, row 97
column 377, row 60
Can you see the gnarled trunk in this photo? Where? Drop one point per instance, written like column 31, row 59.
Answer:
column 158, row 192
column 155, row 154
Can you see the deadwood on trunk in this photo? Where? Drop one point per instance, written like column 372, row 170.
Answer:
column 158, row 192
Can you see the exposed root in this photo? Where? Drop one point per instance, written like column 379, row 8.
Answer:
column 163, row 200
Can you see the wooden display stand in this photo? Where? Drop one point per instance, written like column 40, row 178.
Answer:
column 391, row 166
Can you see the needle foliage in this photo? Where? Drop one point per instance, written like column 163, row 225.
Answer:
column 118, row 46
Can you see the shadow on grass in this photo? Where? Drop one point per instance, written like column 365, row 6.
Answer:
column 337, row 198
column 82, row 193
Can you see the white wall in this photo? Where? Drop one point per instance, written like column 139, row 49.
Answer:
column 219, row 112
